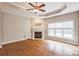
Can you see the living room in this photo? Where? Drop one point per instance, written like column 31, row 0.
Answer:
column 45, row 28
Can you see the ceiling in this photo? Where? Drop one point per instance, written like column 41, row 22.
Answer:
column 50, row 6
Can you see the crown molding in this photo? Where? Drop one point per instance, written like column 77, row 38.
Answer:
column 8, row 8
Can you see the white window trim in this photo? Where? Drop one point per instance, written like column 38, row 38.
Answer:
column 62, row 30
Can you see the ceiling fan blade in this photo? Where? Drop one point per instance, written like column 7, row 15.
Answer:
column 29, row 9
column 41, row 5
column 31, row 4
column 42, row 10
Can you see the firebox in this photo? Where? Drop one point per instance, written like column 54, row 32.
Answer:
column 37, row 34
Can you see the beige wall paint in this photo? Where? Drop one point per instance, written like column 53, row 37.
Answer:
column 15, row 28
column 0, row 28
column 73, row 16
column 78, row 26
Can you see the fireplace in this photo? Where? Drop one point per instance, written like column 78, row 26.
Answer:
column 37, row 34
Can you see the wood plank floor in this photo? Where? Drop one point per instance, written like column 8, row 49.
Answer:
column 38, row 48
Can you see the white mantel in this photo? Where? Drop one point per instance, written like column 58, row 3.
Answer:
column 37, row 31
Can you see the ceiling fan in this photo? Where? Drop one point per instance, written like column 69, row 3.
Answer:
column 36, row 7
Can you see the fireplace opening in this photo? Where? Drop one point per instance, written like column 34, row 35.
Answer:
column 38, row 34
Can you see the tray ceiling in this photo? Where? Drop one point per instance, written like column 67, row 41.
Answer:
column 50, row 6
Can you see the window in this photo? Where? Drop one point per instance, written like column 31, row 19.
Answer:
column 61, row 29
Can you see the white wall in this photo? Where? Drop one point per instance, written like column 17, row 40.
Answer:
column 73, row 16
column 37, row 21
column 15, row 28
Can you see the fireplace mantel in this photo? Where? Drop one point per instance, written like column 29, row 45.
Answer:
column 37, row 26
column 39, row 30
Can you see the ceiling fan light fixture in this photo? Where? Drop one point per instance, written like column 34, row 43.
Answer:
column 37, row 7
column 36, row 10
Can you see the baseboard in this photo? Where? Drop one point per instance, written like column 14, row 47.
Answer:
column 71, row 43
column 13, row 41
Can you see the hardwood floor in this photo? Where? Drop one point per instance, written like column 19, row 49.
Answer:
column 38, row 48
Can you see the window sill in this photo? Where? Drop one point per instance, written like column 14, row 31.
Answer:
column 60, row 37
column 63, row 40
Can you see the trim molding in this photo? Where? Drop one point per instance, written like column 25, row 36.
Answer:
column 66, row 42
column 14, row 41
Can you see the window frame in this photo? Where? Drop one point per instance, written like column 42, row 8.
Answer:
column 62, row 29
